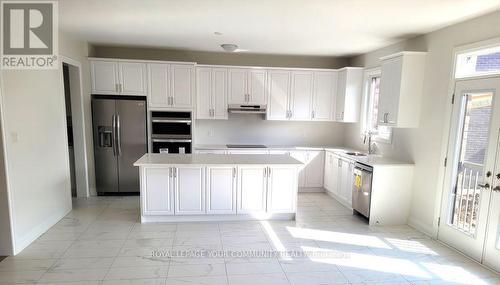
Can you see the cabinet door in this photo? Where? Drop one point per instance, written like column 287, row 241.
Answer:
column 252, row 190
column 221, row 190
column 104, row 77
column 159, row 80
column 336, row 175
column 314, row 169
column 302, row 157
column 301, row 95
column 203, row 92
column 282, row 189
column 237, row 86
column 327, row 179
column 390, row 81
column 133, row 78
column 345, row 183
column 325, row 84
column 157, row 194
column 340, row 98
column 182, row 85
column 219, row 93
column 257, row 86
column 189, row 190
column 279, row 94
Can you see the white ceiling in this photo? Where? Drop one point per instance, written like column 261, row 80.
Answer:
column 307, row 27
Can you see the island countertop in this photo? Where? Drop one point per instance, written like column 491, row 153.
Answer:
column 160, row 159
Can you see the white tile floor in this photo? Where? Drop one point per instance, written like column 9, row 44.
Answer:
column 102, row 242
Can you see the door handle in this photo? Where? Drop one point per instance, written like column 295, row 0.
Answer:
column 484, row 186
column 113, row 134
column 118, row 136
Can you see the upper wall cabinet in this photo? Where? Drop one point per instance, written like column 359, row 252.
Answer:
column 117, row 77
column 325, row 89
column 247, row 86
column 301, row 95
column 171, row 85
column 211, row 92
column 401, row 88
column 348, row 99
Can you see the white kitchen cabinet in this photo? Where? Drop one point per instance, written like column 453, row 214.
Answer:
column 221, row 190
column 336, row 175
column 247, row 86
column 211, row 90
column 189, row 184
column 279, row 95
column 252, row 190
column 315, row 169
column 347, row 181
column 171, row 85
column 158, row 199
column 282, row 189
column 401, row 89
column 301, row 95
column 328, row 178
column 312, row 172
column 348, row 97
column 118, row 77
column 325, row 89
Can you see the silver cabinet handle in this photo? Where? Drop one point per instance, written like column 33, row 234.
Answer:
column 121, row 88
column 234, row 172
column 170, row 172
column 265, row 172
column 117, row 88
column 269, row 172
column 485, row 186
column 174, row 170
column 172, row 140
column 313, row 114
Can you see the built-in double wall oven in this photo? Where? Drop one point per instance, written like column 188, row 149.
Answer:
column 171, row 132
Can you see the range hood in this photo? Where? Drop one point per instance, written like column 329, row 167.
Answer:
column 246, row 109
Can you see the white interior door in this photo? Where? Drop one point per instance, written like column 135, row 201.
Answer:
column 471, row 154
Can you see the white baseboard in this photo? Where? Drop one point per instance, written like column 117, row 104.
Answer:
column 311, row 190
column 217, row 218
column 36, row 232
column 418, row 225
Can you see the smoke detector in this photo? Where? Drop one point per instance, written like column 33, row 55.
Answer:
column 229, row 47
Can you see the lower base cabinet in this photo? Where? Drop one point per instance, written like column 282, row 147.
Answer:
column 338, row 177
column 279, row 198
column 221, row 190
column 311, row 173
column 252, row 189
column 159, row 198
column 189, row 190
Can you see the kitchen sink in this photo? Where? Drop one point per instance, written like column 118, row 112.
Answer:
column 355, row 153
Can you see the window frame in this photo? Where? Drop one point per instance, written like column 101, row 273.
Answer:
column 369, row 74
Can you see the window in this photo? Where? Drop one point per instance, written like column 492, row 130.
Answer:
column 370, row 122
column 485, row 61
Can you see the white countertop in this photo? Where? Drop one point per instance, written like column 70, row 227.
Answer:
column 372, row 159
column 160, row 159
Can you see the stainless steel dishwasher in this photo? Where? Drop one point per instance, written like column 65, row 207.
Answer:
column 362, row 189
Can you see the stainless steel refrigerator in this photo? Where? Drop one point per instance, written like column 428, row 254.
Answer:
column 120, row 138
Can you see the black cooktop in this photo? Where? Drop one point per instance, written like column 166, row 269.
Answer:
column 246, row 146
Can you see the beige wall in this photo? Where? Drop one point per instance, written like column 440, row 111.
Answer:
column 219, row 57
column 426, row 144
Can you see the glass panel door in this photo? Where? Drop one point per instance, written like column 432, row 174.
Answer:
column 472, row 146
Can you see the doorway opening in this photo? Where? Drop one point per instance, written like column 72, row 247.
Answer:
column 75, row 122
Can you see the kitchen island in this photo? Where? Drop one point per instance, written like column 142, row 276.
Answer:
column 217, row 187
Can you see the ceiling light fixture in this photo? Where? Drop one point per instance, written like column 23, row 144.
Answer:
column 229, row 47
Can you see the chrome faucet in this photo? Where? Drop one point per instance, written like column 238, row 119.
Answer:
column 369, row 134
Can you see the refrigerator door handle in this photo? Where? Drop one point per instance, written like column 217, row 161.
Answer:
column 113, row 134
column 118, row 136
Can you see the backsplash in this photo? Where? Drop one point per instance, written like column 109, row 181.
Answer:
column 253, row 129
